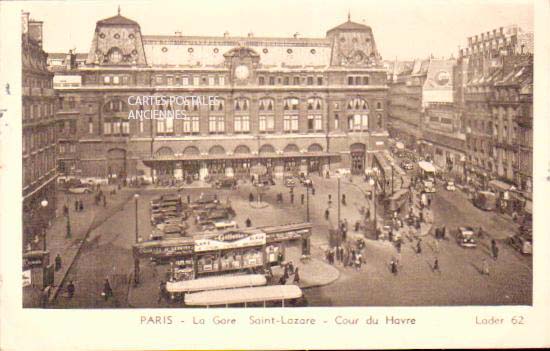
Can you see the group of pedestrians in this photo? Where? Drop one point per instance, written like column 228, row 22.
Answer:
column 345, row 255
column 290, row 270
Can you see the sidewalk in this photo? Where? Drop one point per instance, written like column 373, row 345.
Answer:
column 82, row 223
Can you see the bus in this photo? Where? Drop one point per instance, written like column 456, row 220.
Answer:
column 262, row 296
column 485, row 200
column 179, row 288
column 395, row 202
column 427, row 170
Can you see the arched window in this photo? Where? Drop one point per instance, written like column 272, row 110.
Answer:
column 241, row 105
column 291, row 104
column 314, row 103
column 217, row 105
column 358, row 119
column 115, row 55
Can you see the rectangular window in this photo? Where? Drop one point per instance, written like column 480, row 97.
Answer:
column 178, row 80
column 336, row 122
column 318, row 122
column 161, row 126
column 310, row 123
column 107, row 128
column 106, row 80
column 357, row 80
column 195, row 124
column 141, row 125
column 350, row 80
column 271, row 80
column 242, row 124
column 212, row 125
column 294, row 123
column 222, row 80
column 185, row 80
column 169, row 80
column 296, row 80
column 90, row 126
column 187, row 125
column 61, row 148
column 319, row 80
column 262, row 123
column 159, row 79
column 125, row 127
column 125, row 80
column 286, row 81
column 116, row 80
column 196, row 80
column 116, row 127
column 72, row 148
column 286, row 124
column 309, row 80
column 261, row 80
column 211, row 81
column 365, row 80
column 169, row 125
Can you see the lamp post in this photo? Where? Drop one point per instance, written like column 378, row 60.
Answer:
column 307, row 203
column 373, row 185
column 338, row 176
column 136, row 258
column 44, row 204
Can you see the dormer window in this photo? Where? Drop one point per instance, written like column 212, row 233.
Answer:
column 115, row 56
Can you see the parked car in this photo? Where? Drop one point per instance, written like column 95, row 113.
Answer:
column 450, row 186
column 80, row 189
column 407, row 165
column 290, row 182
column 465, row 237
column 522, row 243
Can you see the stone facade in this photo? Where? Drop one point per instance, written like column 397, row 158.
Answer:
column 39, row 133
column 304, row 100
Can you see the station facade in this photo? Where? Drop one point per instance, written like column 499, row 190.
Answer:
column 294, row 105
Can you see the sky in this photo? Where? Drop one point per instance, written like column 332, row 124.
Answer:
column 402, row 29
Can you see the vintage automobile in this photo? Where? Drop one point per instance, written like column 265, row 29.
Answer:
column 522, row 243
column 485, row 200
column 407, row 165
column 450, row 186
column 80, row 189
column 226, row 183
column 290, row 182
column 428, row 186
column 465, row 237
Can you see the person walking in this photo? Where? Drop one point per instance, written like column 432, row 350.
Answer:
column 70, row 289
column 398, row 246
column 393, row 267
column 81, row 206
column 327, row 214
column 104, row 201
column 312, row 190
column 250, row 197
column 494, row 249
column 296, row 276
column 419, row 246
column 107, row 290
column 358, row 260
column 248, row 223
column 162, row 291
column 57, row 262
column 344, row 199
column 436, row 266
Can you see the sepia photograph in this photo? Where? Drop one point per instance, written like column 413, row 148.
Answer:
column 308, row 154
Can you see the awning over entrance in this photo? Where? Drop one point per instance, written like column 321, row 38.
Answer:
column 500, row 185
column 168, row 158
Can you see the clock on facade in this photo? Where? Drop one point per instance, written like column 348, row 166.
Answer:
column 442, row 77
column 241, row 72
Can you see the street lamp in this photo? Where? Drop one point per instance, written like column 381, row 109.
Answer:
column 136, row 197
column 338, row 177
column 307, row 203
column 136, row 259
column 44, row 204
column 372, row 183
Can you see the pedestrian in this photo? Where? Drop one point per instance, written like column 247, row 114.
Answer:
column 398, row 246
column 418, row 246
column 429, row 202
column 248, row 223
column 162, row 291
column 104, row 201
column 57, row 262
column 302, row 198
column 65, row 210
column 285, row 272
column 485, row 267
column 188, row 199
column 280, row 259
column 393, row 267
column 250, row 197
column 329, row 199
column 358, row 261
column 356, row 228
column 390, row 235
column 296, row 276
column 290, row 267
column 291, row 197
column 312, row 190
column 80, row 206
column 76, row 205
column 494, row 249
column 70, row 289
column 107, row 290
column 436, row 266
column 327, row 214
column 344, row 199
column 282, row 280
column 341, row 254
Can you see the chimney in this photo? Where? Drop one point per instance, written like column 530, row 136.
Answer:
column 226, row 34
column 35, row 31
column 178, row 33
column 296, row 35
column 25, row 22
column 250, row 35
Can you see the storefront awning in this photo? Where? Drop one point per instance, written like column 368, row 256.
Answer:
column 213, row 283
column 170, row 158
column 500, row 185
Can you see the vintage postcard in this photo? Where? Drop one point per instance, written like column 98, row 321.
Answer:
column 331, row 173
